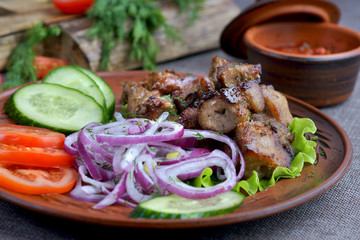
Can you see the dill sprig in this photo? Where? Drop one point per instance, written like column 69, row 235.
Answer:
column 20, row 68
column 134, row 21
column 191, row 8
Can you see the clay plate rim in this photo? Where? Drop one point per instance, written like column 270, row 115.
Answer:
column 286, row 194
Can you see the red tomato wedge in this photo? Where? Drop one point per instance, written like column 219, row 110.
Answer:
column 34, row 156
column 73, row 6
column 33, row 180
column 43, row 65
column 30, row 136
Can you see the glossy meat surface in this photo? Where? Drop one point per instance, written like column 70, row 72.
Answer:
column 230, row 100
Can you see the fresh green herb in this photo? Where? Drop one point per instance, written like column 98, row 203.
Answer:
column 314, row 138
column 312, row 174
column 321, row 152
column 20, row 68
column 172, row 111
column 152, row 149
column 199, row 136
column 168, row 97
column 134, row 21
column 191, row 7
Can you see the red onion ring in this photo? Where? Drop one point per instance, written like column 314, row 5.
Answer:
column 236, row 154
column 168, row 175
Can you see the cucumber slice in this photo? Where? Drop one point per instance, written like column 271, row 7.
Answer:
column 54, row 107
column 70, row 76
column 175, row 207
column 105, row 88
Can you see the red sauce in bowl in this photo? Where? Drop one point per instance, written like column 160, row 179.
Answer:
column 305, row 48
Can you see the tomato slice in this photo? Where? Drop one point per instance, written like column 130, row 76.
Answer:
column 43, row 65
column 34, row 156
column 30, row 136
column 34, row 180
column 73, row 6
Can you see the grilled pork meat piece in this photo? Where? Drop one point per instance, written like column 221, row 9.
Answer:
column 215, row 63
column 276, row 104
column 191, row 95
column 189, row 118
column 145, row 103
column 185, row 100
column 285, row 136
column 219, row 115
column 185, row 89
column 154, row 106
column 230, row 74
column 169, row 81
column 134, row 95
column 261, row 149
column 249, row 92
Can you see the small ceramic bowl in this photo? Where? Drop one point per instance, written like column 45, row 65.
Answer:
column 320, row 80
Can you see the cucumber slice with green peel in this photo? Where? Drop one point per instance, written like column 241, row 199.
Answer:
column 175, row 207
column 72, row 77
column 54, row 107
column 105, row 88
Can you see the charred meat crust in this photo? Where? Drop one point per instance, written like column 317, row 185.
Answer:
column 249, row 92
column 230, row 100
column 261, row 149
column 230, row 74
column 276, row 104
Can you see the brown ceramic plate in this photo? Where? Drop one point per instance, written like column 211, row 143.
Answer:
column 334, row 158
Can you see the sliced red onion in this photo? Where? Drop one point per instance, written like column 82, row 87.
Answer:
column 151, row 135
column 100, row 185
column 114, row 195
column 165, row 148
column 236, row 154
column 128, row 157
column 185, row 143
column 70, row 144
column 141, row 175
column 199, row 152
column 158, row 189
column 168, row 175
column 78, row 193
column 134, row 190
column 86, row 137
column 134, row 130
column 121, row 151
column 90, row 164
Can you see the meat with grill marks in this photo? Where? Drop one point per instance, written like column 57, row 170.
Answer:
column 134, row 95
column 276, row 104
column 261, row 148
column 145, row 103
column 230, row 74
column 249, row 91
column 230, row 100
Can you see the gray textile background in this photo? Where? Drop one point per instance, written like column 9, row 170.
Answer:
column 333, row 215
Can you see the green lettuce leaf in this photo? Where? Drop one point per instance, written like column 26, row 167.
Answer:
column 204, row 179
column 304, row 153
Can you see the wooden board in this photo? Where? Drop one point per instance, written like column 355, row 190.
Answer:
column 75, row 47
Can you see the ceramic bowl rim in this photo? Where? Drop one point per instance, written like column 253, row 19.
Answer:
column 353, row 53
